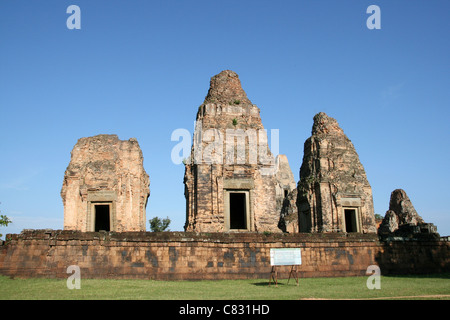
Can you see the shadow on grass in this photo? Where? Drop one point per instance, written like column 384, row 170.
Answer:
column 282, row 283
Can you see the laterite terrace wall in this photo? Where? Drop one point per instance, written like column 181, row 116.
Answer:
column 180, row 255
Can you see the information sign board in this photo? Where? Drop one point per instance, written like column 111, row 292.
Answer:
column 285, row 256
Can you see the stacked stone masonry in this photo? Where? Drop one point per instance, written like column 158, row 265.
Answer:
column 105, row 186
column 333, row 193
column 230, row 177
column 180, row 255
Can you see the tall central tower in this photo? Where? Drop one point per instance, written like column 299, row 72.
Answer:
column 230, row 182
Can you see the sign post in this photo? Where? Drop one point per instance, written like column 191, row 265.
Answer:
column 285, row 257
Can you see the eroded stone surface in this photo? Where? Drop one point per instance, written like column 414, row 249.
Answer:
column 286, row 195
column 333, row 180
column 403, row 208
column 402, row 219
column 104, row 170
column 230, row 155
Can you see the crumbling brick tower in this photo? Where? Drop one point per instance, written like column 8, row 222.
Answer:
column 230, row 182
column 105, row 186
column 333, row 194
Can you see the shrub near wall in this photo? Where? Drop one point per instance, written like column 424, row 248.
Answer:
column 180, row 255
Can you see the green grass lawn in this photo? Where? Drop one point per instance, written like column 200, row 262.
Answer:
column 411, row 287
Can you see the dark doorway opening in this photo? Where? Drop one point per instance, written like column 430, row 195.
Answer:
column 102, row 217
column 238, row 210
column 350, row 220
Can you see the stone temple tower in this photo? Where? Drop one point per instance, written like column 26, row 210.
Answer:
column 105, row 186
column 333, row 194
column 230, row 177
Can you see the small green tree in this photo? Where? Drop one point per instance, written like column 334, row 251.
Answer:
column 4, row 221
column 158, row 225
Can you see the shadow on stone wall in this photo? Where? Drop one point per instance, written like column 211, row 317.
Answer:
column 412, row 256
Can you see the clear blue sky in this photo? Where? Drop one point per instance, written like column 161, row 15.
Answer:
column 141, row 69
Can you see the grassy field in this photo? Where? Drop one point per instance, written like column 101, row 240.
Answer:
column 398, row 287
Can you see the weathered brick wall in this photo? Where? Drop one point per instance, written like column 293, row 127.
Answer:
column 179, row 255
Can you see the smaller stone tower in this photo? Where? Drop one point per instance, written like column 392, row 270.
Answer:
column 105, row 186
column 402, row 220
column 333, row 194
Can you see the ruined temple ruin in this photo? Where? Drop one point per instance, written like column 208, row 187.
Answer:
column 333, row 194
column 285, row 181
column 402, row 219
column 231, row 176
column 233, row 183
column 286, row 196
column 105, row 186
